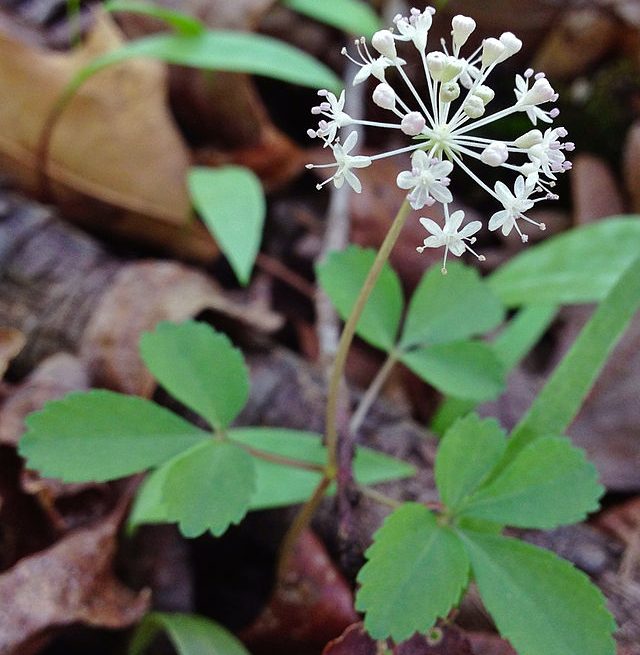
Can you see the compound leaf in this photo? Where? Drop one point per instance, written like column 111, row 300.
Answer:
column 450, row 307
column 208, row 488
column 342, row 275
column 415, row 573
column 231, row 202
column 549, row 483
column 539, row 602
column 469, row 451
column 465, row 369
column 199, row 367
column 189, row 634
column 102, row 435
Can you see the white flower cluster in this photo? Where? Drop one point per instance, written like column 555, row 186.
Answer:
column 442, row 127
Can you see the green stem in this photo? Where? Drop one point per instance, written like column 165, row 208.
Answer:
column 348, row 333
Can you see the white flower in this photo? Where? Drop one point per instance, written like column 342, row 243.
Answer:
column 332, row 108
column 451, row 237
column 444, row 123
column 427, row 179
column 345, row 162
column 515, row 205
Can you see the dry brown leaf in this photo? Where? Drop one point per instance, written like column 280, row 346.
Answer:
column 11, row 343
column 115, row 153
column 71, row 582
column 312, row 604
column 355, row 641
column 594, row 189
column 141, row 295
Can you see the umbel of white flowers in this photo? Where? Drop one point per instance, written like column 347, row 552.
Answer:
column 442, row 127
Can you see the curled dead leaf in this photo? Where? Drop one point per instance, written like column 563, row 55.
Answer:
column 11, row 343
column 71, row 582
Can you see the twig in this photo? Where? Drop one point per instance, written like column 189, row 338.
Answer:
column 279, row 271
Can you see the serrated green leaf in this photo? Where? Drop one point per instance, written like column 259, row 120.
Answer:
column 466, row 369
column 148, row 505
column 539, row 602
column 231, row 202
column 102, row 435
column 181, row 22
column 342, row 275
column 561, row 398
column 415, row 573
column 238, row 52
column 208, row 488
column 199, row 367
column 189, row 634
column 511, row 345
column 450, row 307
column 467, row 454
column 549, row 483
column 579, row 266
column 278, row 485
column 353, row 16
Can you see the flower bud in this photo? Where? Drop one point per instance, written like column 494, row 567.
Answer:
column 413, row 123
column 530, row 139
column 473, row 106
column 436, row 63
column 452, row 69
column 384, row 96
column 495, row 154
column 384, row 43
column 492, row 51
column 462, row 26
column 485, row 93
column 449, row 92
column 511, row 43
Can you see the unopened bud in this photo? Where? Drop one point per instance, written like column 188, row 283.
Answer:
column 436, row 63
column 462, row 26
column 530, row 139
column 492, row 51
column 449, row 92
column 473, row 106
column 495, row 154
column 540, row 92
column 384, row 96
column 485, row 93
column 413, row 123
column 511, row 43
column 384, row 43
column 452, row 68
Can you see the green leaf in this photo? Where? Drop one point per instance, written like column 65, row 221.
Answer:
column 208, row 488
column 468, row 453
column 148, row 505
column 539, row 602
column 511, row 345
column 415, row 573
column 182, row 23
column 231, row 202
column 278, row 485
column 561, row 398
column 199, row 367
column 579, row 266
column 353, row 16
column 466, row 369
column 189, row 634
column 342, row 276
column 450, row 307
column 102, row 435
column 238, row 52
column 549, row 483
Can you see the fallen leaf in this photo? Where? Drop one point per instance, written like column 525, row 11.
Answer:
column 71, row 582
column 355, row 641
column 141, row 295
column 11, row 343
column 116, row 160
column 594, row 189
column 312, row 604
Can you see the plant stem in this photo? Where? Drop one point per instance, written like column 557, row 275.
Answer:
column 303, row 519
column 349, row 331
column 372, row 392
column 378, row 497
column 282, row 459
